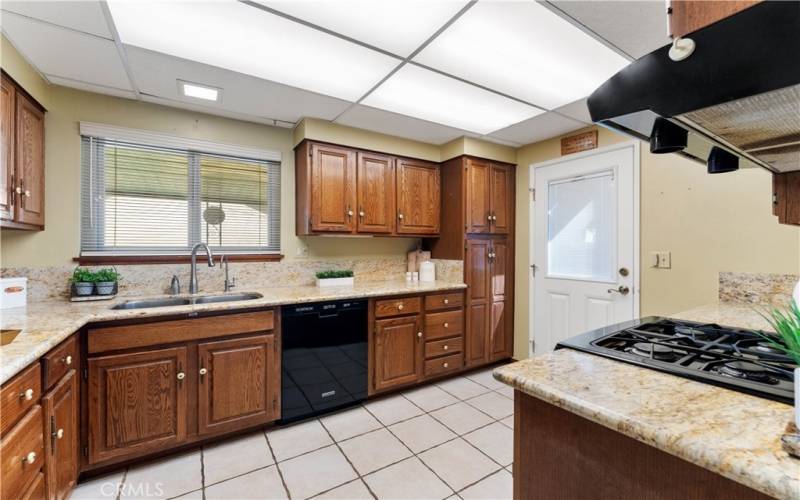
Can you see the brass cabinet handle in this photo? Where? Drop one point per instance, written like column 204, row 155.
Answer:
column 29, row 458
column 27, row 394
column 68, row 360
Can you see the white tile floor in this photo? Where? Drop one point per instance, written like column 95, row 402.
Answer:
column 453, row 439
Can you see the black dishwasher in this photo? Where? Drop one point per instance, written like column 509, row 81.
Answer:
column 323, row 357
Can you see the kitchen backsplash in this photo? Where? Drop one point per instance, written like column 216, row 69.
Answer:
column 152, row 279
column 756, row 288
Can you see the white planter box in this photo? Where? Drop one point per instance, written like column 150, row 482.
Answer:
column 335, row 282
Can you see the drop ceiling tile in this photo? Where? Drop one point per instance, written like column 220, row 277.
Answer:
column 538, row 128
column 524, row 50
column 66, row 53
column 397, row 26
column 86, row 16
column 386, row 122
column 157, row 74
column 248, row 40
column 425, row 94
column 98, row 89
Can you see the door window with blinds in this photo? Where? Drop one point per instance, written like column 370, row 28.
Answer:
column 141, row 199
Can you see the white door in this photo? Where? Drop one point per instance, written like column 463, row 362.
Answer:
column 585, row 243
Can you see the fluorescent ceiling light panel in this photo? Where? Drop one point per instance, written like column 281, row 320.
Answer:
column 245, row 39
column 524, row 50
column 198, row 91
column 421, row 93
column 397, row 26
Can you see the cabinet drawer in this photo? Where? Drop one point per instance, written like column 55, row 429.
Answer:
column 447, row 364
column 18, row 395
column 397, row 307
column 36, row 489
column 180, row 330
column 444, row 301
column 445, row 346
column 24, row 442
column 444, row 324
column 59, row 361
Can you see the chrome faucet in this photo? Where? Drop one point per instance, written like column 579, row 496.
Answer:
column 175, row 285
column 229, row 283
column 193, row 277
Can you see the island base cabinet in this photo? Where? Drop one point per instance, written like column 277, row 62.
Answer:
column 137, row 403
column 558, row 454
column 239, row 383
column 61, row 436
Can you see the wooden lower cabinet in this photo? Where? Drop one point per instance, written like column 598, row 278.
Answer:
column 61, row 436
column 239, row 382
column 137, row 403
column 501, row 278
column 21, row 454
column 398, row 352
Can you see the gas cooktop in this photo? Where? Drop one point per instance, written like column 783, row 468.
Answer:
column 730, row 357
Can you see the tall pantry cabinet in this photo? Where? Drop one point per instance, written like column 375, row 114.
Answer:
column 478, row 205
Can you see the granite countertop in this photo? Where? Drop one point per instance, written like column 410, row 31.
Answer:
column 728, row 432
column 45, row 324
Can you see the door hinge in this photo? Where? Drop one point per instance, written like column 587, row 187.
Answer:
column 86, row 374
column 533, row 193
column 85, row 451
column 534, row 268
column 274, row 404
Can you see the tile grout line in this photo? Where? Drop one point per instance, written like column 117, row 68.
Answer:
column 202, row 472
column 275, row 461
column 358, row 474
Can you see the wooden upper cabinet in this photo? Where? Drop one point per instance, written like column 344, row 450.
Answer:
column 786, row 197
column 501, row 195
column 7, row 130
column 61, row 436
column 398, row 352
column 686, row 16
column 376, row 188
column 479, row 212
column 137, row 403
column 239, row 383
column 333, row 189
column 418, row 197
column 21, row 158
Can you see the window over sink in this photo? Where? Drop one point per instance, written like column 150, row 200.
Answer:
column 146, row 194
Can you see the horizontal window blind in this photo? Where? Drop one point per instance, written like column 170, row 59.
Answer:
column 142, row 199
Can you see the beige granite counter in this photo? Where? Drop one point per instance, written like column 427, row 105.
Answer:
column 727, row 432
column 44, row 324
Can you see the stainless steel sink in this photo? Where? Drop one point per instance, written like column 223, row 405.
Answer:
column 185, row 301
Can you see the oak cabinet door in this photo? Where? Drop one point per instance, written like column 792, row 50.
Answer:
column 137, row 403
column 478, row 300
column 375, row 193
column 418, row 197
column 479, row 212
column 500, row 189
column 61, row 436
column 239, row 383
column 29, row 151
column 398, row 352
column 501, row 337
column 333, row 189
column 7, row 129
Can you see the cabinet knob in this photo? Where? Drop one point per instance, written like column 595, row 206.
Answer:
column 446, row 301
column 68, row 360
column 446, row 347
column 489, row 217
column 181, row 375
column 349, row 213
column 400, row 307
column 419, row 335
column 361, row 213
column 447, row 325
column 203, row 371
column 27, row 395
column 445, row 365
column 29, row 458
column 27, row 193
column 18, row 190
column 400, row 216
column 60, row 433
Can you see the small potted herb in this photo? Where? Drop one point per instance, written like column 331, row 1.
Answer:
column 335, row 278
column 786, row 324
column 106, row 279
column 83, row 281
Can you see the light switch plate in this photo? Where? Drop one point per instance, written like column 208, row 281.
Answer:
column 661, row 259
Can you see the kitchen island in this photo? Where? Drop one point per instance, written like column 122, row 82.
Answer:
column 592, row 427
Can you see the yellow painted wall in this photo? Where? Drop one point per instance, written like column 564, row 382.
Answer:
column 709, row 223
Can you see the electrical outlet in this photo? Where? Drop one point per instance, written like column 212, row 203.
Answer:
column 302, row 251
column 661, row 259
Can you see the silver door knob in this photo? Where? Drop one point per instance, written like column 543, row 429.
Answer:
column 622, row 290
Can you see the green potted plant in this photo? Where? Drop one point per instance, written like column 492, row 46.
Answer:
column 786, row 324
column 335, row 278
column 83, row 281
column 105, row 280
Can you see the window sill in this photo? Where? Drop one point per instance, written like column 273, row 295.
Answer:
column 96, row 260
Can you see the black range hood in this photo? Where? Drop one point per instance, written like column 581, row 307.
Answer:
column 738, row 92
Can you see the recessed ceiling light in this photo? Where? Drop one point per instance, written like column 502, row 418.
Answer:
column 248, row 40
column 425, row 94
column 524, row 50
column 397, row 26
column 199, row 91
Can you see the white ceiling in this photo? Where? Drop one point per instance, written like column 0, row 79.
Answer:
column 511, row 72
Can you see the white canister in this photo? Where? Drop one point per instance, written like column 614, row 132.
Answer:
column 14, row 292
column 427, row 271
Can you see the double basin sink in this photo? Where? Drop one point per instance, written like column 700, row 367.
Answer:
column 185, row 301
